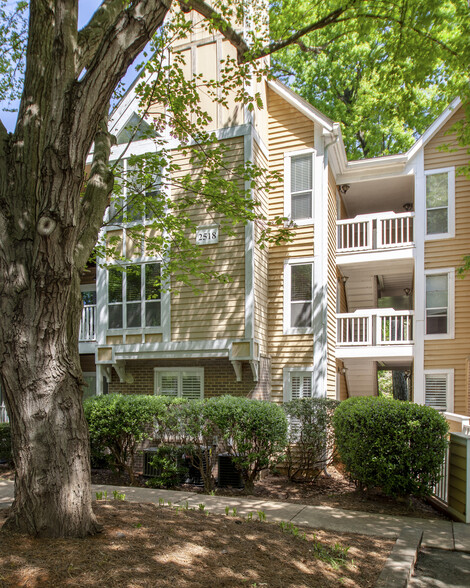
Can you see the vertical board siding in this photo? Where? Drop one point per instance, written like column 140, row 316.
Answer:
column 288, row 130
column 331, row 289
column 219, row 310
column 261, row 261
column 443, row 253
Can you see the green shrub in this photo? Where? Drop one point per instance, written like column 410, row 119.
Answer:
column 395, row 445
column 171, row 466
column 5, row 442
column 192, row 425
column 118, row 423
column 254, row 432
column 311, row 439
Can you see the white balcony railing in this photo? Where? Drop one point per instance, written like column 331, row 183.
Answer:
column 369, row 232
column 375, row 327
column 87, row 324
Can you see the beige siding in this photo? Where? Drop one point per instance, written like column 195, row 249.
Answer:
column 219, row 310
column 261, row 264
column 289, row 130
column 331, row 289
column 446, row 253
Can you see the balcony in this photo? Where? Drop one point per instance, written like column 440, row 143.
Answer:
column 375, row 232
column 375, row 333
column 87, row 324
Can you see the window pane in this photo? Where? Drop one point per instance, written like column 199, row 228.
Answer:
column 152, row 314
column 436, row 291
column 436, row 391
column 114, row 285
column 436, row 325
column 152, row 281
column 436, row 190
column 437, row 221
column 90, row 390
column 115, row 316
column 134, row 284
column 134, row 207
column 169, row 384
column 301, row 206
column 153, row 204
column 301, row 314
column 301, row 282
column 301, row 173
column 134, row 314
column 191, row 386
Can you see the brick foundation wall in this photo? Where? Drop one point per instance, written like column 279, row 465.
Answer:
column 219, row 377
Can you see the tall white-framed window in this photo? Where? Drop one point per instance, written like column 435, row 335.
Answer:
column 297, row 383
column 134, row 297
column 138, row 199
column 440, row 203
column 439, row 389
column 299, row 204
column 179, row 382
column 298, row 295
column 439, row 303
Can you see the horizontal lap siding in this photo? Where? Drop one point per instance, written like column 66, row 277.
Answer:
column 331, row 289
column 444, row 253
column 289, row 130
column 261, row 262
column 219, row 310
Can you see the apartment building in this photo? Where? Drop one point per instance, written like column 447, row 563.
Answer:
column 369, row 281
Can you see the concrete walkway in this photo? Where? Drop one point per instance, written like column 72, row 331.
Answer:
column 410, row 533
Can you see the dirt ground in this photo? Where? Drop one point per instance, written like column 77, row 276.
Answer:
column 335, row 491
column 144, row 545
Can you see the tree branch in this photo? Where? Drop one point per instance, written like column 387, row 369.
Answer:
column 96, row 197
column 90, row 36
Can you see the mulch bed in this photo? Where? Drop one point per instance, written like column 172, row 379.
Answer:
column 335, row 491
column 144, row 545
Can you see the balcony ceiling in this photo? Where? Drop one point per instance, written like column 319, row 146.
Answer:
column 389, row 194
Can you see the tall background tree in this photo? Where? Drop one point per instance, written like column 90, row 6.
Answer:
column 380, row 76
column 50, row 220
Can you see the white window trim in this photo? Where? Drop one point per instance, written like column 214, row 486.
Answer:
column 450, row 233
column 192, row 370
column 287, row 185
column 288, row 263
column 449, row 374
column 286, row 378
column 135, row 330
column 450, row 271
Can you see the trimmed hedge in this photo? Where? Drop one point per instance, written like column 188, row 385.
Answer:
column 394, row 445
column 311, row 443
column 118, row 423
column 5, row 442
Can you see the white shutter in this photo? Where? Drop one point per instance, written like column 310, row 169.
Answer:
column 191, row 386
column 168, row 384
column 436, row 391
column 307, row 386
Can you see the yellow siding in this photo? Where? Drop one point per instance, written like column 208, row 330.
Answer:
column 289, row 130
column 331, row 289
column 261, row 264
column 219, row 310
column 444, row 253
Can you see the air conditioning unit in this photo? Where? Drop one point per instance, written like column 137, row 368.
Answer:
column 229, row 475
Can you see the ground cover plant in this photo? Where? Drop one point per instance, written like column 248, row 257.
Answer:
column 394, row 445
column 144, row 545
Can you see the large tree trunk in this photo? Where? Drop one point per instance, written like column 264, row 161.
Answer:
column 42, row 382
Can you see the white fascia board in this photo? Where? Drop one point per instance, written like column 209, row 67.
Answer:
column 376, row 352
column 344, row 259
column 128, row 104
column 216, row 345
column 434, row 128
column 302, row 105
column 369, row 169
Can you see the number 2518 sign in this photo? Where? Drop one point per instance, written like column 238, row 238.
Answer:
column 207, row 235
